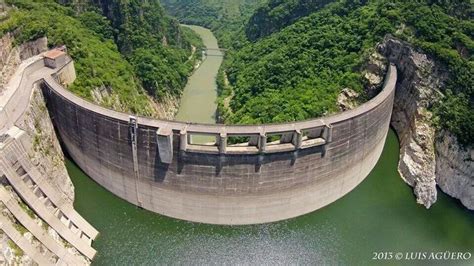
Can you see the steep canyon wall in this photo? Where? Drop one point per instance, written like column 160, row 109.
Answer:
column 428, row 157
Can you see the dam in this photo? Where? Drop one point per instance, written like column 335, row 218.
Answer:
column 155, row 165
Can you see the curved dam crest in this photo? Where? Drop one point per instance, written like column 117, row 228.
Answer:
column 153, row 163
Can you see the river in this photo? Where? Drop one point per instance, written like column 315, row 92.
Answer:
column 198, row 102
column 381, row 214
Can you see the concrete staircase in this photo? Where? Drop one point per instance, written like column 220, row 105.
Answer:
column 37, row 231
column 45, row 200
column 7, row 227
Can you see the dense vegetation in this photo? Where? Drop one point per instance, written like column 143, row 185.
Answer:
column 297, row 71
column 279, row 14
column 224, row 17
column 98, row 62
column 153, row 42
column 288, row 61
column 119, row 56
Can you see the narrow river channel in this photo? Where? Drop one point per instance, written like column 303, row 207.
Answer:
column 198, row 103
column 379, row 215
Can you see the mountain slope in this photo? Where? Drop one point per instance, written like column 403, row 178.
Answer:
column 298, row 71
column 278, row 14
column 136, row 47
column 99, row 65
column 153, row 42
column 223, row 17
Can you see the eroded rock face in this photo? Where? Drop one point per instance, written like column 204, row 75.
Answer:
column 374, row 73
column 11, row 56
column 427, row 157
column 45, row 152
column 455, row 169
column 33, row 48
column 347, row 99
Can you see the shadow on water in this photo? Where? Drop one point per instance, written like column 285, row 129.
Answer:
column 379, row 215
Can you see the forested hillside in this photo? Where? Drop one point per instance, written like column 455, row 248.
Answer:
column 133, row 46
column 297, row 61
column 279, row 14
column 224, row 17
column 153, row 42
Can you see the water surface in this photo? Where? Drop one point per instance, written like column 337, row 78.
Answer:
column 198, row 103
column 379, row 215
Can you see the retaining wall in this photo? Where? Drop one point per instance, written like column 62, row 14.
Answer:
column 156, row 164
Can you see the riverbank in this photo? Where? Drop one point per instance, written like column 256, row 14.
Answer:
column 198, row 102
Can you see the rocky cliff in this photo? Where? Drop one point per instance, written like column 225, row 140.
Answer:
column 45, row 152
column 428, row 157
column 11, row 55
column 454, row 169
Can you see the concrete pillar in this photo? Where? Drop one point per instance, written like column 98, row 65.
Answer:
column 223, row 143
column 183, row 140
column 327, row 134
column 262, row 143
column 297, row 139
column 164, row 139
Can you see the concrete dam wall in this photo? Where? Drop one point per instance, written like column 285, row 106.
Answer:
column 249, row 174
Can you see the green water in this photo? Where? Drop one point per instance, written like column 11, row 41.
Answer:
column 198, row 100
column 379, row 215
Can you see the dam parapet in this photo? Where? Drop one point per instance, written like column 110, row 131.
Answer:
column 242, row 175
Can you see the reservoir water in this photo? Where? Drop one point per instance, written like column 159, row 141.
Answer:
column 380, row 215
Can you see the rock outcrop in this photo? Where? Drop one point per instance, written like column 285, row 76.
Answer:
column 374, row 72
column 45, row 152
column 455, row 169
column 427, row 157
column 347, row 99
column 11, row 56
column 166, row 108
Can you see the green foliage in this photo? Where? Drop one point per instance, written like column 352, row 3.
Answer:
column 134, row 46
column 153, row 71
column 441, row 29
column 98, row 24
column 151, row 41
column 224, row 17
column 298, row 72
column 20, row 228
column 456, row 114
column 305, row 53
column 97, row 60
column 16, row 249
column 278, row 14
column 27, row 210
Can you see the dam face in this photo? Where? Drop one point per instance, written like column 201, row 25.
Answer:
column 276, row 172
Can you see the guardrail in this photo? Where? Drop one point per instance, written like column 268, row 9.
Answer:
column 235, row 139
